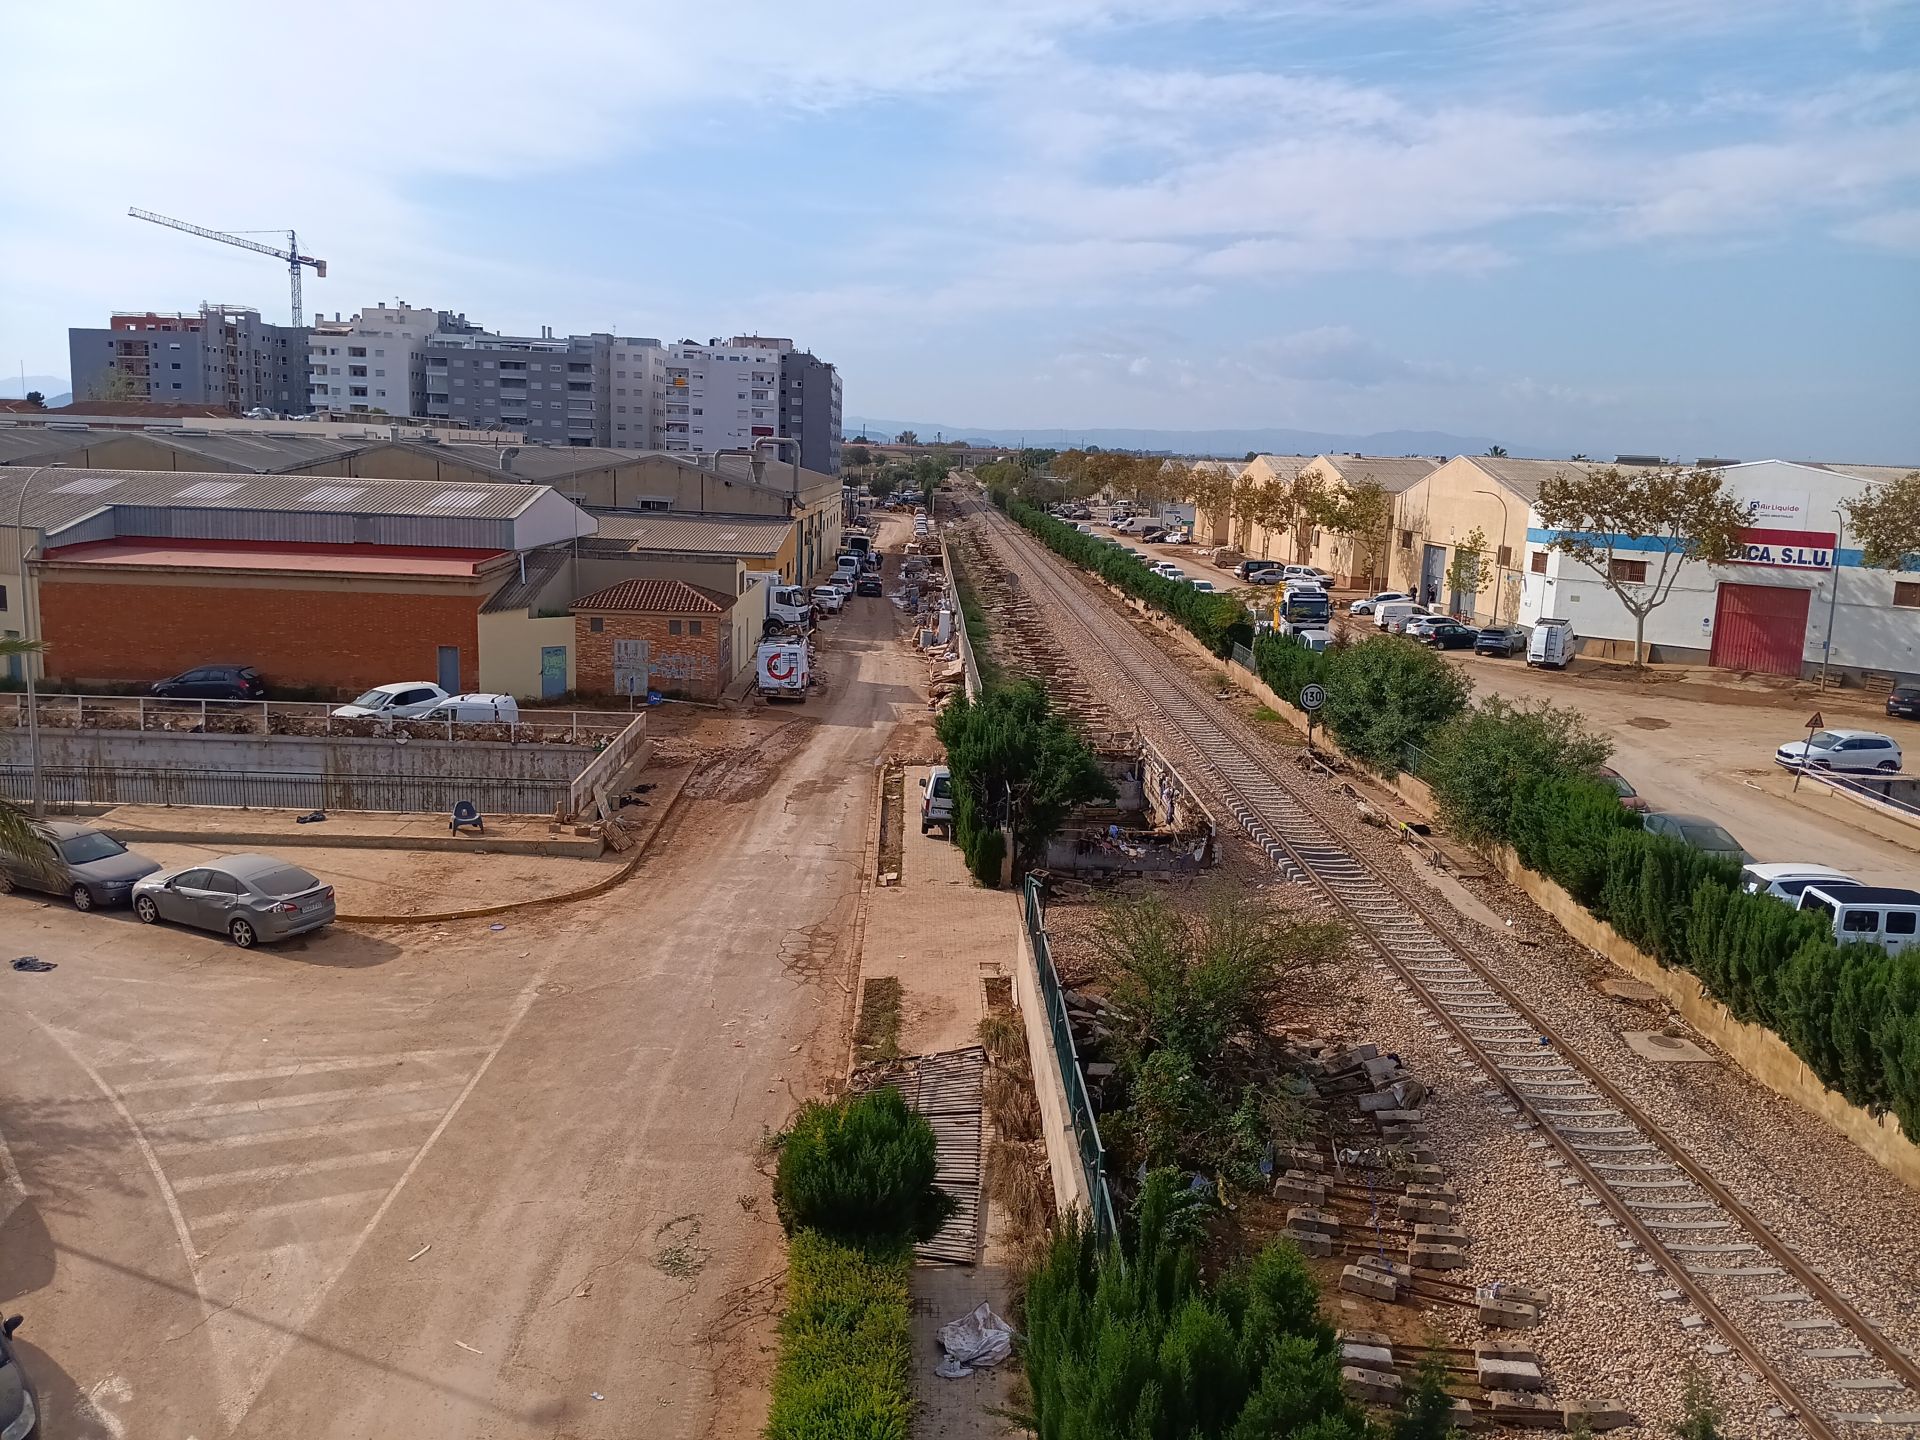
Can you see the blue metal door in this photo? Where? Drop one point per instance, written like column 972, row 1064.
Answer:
column 449, row 664
column 553, row 671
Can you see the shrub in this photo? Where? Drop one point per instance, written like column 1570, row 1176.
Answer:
column 846, row 1342
column 1147, row 1348
column 860, row 1169
column 1560, row 827
column 1478, row 762
column 1387, row 693
column 1288, row 666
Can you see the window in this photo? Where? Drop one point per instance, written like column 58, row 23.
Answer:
column 1406, row 539
column 3, row 603
column 379, row 354
column 673, row 627
column 693, row 627
column 1537, row 562
column 176, row 365
column 1907, row 593
column 1861, row 922
column 381, row 375
column 359, row 391
column 1630, row 572
column 359, row 372
column 1900, row 922
column 1504, row 559
column 358, row 352
column 596, row 624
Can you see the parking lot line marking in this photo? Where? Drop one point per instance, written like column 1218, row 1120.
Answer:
column 295, row 1132
column 295, row 1102
column 288, row 1171
column 310, row 1067
column 286, row 1207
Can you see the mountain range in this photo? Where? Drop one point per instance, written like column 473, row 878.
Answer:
column 1234, row 443
column 57, row 388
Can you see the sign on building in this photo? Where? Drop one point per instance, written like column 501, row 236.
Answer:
column 629, row 667
column 1792, row 549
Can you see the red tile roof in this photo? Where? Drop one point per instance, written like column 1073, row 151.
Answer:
column 675, row 597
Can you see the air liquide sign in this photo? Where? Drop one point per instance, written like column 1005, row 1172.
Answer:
column 1793, row 549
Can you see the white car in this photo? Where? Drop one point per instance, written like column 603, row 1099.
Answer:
column 830, row 598
column 1169, row 570
column 1785, row 879
column 400, row 701
column 1204, row 586
column 1365, row 606
column 1842, row 750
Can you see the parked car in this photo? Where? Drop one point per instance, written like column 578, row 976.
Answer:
column 1170, row 571
column 212, row 682
column 1308, row 572
column 868, row 585
column 1367, row 604
column 476, row 708
column 1247, row 567
column 1176, row 536
column 1784, row 880
column 1550, row 646
column 1841, row 750
column 1393, row 614
column 936, row 801
column 1903, row 700
column 1880, row 915
column 249, row 898
column 1204, row 586
column 1447, row 635
column 1267, row 575
column 88, row 866
column 401, row 700
column 1153, row 536
column 1699, row 832
column 1418, row 623
column 19, row 1402
column 829, row 598
column 1629, row 797
column 1506, row 641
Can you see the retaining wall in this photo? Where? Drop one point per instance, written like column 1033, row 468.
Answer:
column 1063, row 1152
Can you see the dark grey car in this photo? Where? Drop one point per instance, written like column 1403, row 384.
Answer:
column 250, row 899
column 19, row 1412
column 89, row 867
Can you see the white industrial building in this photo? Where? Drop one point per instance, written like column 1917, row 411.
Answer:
column 1776, row 611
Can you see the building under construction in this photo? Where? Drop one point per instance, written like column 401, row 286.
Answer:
column 223, row 355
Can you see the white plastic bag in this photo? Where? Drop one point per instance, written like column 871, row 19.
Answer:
column 974, row 1342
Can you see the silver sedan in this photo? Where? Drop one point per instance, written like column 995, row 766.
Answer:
column 248, row 898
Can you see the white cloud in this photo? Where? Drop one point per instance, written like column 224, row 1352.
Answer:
column 1895, row 230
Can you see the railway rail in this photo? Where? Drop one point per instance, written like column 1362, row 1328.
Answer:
column 1756, row 1293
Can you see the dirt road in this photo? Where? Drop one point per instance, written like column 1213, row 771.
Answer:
column 458, row 1181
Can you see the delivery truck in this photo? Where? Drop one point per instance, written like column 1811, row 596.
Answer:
column 781, row 668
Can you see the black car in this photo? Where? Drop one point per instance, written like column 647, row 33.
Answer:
column 213, row 682
column 19, row 1415
column 867, row 585
column 1904, row 701
column 1448, row 635
column 1506, row 641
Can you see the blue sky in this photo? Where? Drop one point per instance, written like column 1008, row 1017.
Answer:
column 1685, row 226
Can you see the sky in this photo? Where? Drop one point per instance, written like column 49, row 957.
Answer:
column 1685, row 227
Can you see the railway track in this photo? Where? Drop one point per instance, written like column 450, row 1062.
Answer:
column 1768, row 1305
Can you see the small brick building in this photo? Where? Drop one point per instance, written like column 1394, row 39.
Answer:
column 667, row 635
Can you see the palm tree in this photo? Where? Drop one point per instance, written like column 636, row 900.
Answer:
column 1496, row 452
column 20, row 842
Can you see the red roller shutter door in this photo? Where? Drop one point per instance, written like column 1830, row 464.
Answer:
column 1761, row 627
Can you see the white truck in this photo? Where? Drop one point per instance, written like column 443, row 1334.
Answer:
column 781, row 670
column 1551, row 644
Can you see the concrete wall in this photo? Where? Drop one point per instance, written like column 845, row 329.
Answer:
column 1063, row 1151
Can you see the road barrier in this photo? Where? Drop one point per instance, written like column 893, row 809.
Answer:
column 1066, row 1055
column 70, row 785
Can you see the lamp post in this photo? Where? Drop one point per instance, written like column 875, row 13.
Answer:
column 1497, row 549
column 1833, row 595
column 36, row 795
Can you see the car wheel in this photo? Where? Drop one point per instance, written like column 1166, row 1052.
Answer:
column 1890, row 766
column 145, row 911
column 6, row 883
column 242, row 933
column 82, row 897
column 924, row 827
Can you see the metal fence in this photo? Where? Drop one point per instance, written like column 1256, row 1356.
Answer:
column 292, row 717
column 1086, row 1130
column 62, row 785
column 1243, row 657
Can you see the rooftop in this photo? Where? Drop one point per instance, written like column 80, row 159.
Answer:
column 1392, row 473
column 366, row 560
column 660, row 597
column 703, row 534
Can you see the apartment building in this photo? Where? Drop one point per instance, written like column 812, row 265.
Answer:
column 373, row 363
column 718, row 396
column 553, row 388
column 810, row 408
column 637, row 394
column 219, row 355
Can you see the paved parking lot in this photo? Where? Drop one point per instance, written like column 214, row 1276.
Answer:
column 442, row 1180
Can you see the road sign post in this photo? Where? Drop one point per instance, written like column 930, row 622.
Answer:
column 1312, row 697
column 1813, row 724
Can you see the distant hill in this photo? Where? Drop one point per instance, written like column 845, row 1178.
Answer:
column 57, row 388
column 1204, row 442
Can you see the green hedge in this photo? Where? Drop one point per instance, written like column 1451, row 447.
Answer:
column 1384, row 694
column 846, row 1342
column 858, row 1169
column 1218, row 621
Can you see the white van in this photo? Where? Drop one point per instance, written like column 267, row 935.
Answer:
column 936, row 805
column 1784, row 880
column 1876, row 914
column 477, row 709
column 1551, row 644
column 1394, row 614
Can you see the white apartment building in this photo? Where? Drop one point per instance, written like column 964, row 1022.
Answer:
column 373, row 363
column 636, row 394
column 718, row 396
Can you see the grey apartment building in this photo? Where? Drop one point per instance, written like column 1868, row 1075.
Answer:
column 810, row 409
column 221, row 355
column 553, row 388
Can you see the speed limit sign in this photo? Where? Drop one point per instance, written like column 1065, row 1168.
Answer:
column 1312, row 697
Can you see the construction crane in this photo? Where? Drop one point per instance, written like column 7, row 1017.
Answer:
column 291, row 254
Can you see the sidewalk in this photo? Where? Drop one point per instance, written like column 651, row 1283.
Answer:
column 943, row 936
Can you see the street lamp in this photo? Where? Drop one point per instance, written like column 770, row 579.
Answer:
column 1833, row 596
column 1502, row 546
column 39, row 802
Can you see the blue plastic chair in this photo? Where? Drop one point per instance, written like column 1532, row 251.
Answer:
column 464, row 813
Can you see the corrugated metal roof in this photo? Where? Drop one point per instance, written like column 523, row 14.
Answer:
column 519, row 593
column 1392, row 473
column 675, row 597
column 1523, row 477
column 53, row 500
column 257, row 453
column 29, row 444
column 702, row 534
column 1881, row 474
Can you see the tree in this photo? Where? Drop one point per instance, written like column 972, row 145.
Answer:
column 37, row 400
column 856, row 457
column 1496, row 452
column 117, row 385
column 1469, row 574
column 20, row 842
column 1426, row 1411
column 1661, row 518
column 1886, row 521
column 906, row 437
column 880, row 486
column 1387, row 693
column 1478, row 763
column 1361, row 512
column 1210, row 486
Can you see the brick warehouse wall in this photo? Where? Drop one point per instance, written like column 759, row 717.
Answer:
column 338, row 639
column 696, row 666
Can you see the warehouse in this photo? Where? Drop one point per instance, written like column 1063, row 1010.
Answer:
column 1777, row 611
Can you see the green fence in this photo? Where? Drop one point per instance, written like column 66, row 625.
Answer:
column 1086, row 1130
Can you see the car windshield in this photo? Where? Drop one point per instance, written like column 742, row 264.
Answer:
column 375, row 700
column 93, row 845
column 942, row 787
column 1619, row 784
column 1824, row 740
column 287, row 880
column 1709, row 837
